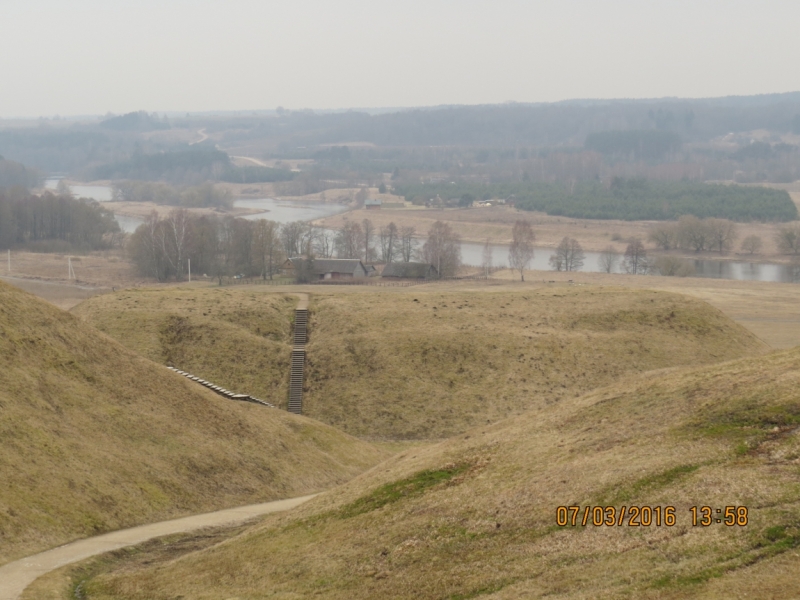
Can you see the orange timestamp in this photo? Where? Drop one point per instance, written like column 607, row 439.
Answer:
column 647, row 516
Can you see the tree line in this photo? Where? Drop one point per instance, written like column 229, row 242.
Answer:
column 192, row 166
column 163, row 247
column 625, row 199
column 50, row 221
column 14, row 174
column 201, row 196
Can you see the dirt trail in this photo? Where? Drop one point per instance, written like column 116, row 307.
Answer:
column 203, row 137
column 17, row 575
column 303, row 303
column 250, row 159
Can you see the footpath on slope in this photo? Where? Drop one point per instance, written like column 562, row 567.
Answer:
column 16, row 576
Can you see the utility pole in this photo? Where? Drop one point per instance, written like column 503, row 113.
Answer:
column 9, row 261
column 190, row 269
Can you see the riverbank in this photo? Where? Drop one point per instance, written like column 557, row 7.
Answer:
column 476, row 225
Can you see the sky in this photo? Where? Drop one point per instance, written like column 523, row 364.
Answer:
column 92, row 57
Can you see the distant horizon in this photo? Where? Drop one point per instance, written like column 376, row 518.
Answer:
column 386, row 109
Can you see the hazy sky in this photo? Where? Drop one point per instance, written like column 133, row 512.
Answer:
column 93, row 56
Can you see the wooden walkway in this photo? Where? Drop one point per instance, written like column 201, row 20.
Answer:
column 221, row 391
column 297, row 372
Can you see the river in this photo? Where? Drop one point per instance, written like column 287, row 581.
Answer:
column 472, row 254
column 284, row 211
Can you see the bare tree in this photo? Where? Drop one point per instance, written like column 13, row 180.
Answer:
column 664, row 236
column 368, row 233
column 174, row 239
column 324, row 242
column 292, row 238
column 569, row 255
column 752, row 244
column 608, row 259
column 721, row 234
column 267, row 247
column 520, row 252
column 349, row 240
column 442, row 249
column 145, row 248
column 635, row 260
column 407, row 242
column 788, row 239
column 388, row 237
column 693, row 233
column 361, row 196
column 487, row 258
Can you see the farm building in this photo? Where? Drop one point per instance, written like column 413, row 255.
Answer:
column 330, row 268
column 410, row 270
column 372, row 204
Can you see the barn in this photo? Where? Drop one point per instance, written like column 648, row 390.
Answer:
column 330, row 268
column 409, row 270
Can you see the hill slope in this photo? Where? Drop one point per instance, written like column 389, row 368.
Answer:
column 95, row 437
column 475, row 516
column 238, row 339
column 416, row 364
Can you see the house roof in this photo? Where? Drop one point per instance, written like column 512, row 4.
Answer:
column 410, row 270
column 372, row 203
column 333, row 265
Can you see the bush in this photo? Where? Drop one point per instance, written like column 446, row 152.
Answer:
column 752, row 244
column 673, row 266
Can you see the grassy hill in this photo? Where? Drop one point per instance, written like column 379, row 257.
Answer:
column 238, row 340
column 416, row 364
column 95, row 437
column 475, row 516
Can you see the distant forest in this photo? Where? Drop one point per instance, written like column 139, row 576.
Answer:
column 629, row 200
column 577, row 145
column 53, row 223
column 14, row 174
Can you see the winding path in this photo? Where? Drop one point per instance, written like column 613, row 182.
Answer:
column 17, row 575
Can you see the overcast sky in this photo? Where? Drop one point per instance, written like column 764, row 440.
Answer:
column 93, row 57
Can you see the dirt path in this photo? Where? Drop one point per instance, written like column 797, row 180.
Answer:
column 203, row 137
column 255, row 161
column 17, row 575
column 303, row 302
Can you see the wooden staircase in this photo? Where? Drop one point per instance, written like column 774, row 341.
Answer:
column 298, row 361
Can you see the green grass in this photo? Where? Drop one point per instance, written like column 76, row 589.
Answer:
column 399, row 490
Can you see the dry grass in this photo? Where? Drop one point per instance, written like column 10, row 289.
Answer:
column 238, row 339
column 421, row 363
column 95, row 437
column 425, row 364
column 62, row 295
column 485, row 525
column 769, row 310
column 143, row 209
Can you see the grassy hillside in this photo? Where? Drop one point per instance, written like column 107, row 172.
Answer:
column 95, row 437
column 420, row 364
column 475, row 516
column 238, row 340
